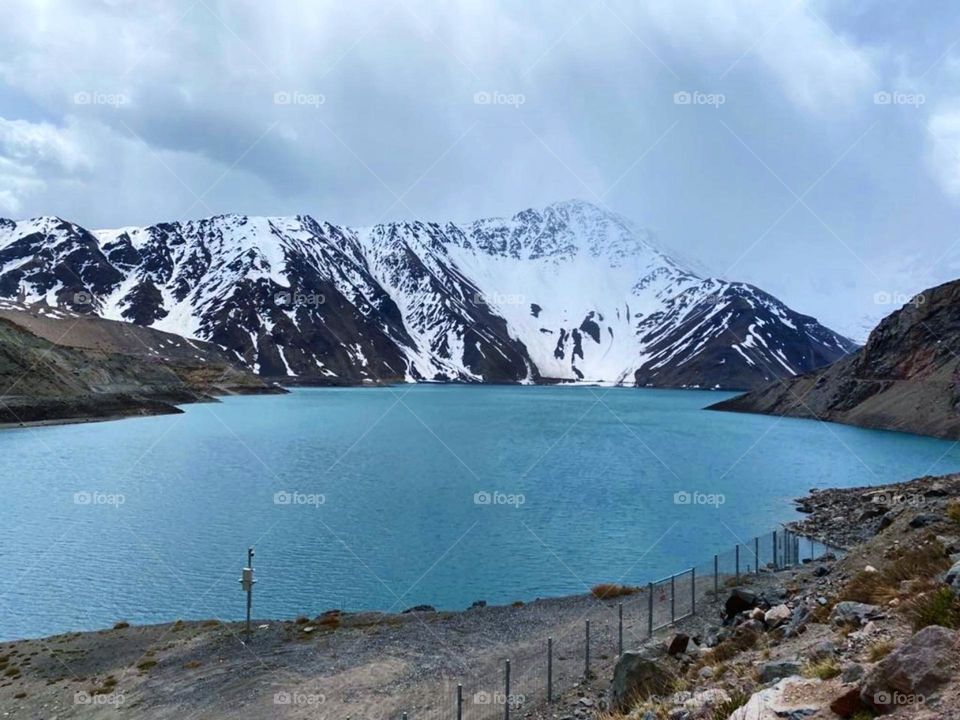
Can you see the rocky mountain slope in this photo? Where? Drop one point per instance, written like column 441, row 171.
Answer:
column 905, row 378
column 571, row 292
column 56, row 365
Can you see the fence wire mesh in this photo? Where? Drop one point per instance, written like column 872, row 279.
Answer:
column 545, row 669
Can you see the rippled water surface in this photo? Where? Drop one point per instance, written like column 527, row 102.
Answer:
column 149, row 519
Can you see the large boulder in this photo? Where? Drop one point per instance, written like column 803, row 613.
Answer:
column 853, row 613
column 637, row 676
column 777, row 615
column 739, row 601
column 916, row 668
column 792, row 697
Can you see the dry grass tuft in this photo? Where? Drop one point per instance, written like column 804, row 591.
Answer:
column 879, row 650
column 822, row 669
column 918, row 564
column 738, row 698
column 606, row 591
column 936, row 607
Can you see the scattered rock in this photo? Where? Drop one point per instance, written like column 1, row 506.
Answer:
column 679, row 644
column 823, row 650
column 848, row 704
column 478, row 604
column 777, row 669
column 420, row 608
column 852, row 672
column 821, row 571
column 740, row 601
column 777, row 615
column 870, row 512
column 924, row 520
column 706, row 700
column 917, row 667
column 706, row 672
column 953, row 577
column 637, row 676
column 853, row 613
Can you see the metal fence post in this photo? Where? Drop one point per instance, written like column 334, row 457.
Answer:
column 506, row 694
column 673, row 599
column 586, row 654
column 650, row 610
column 549, row 669
column 693, row 591
column 737, row 554
column 716, row 578
column 459, row 701
column 620, row 629
column 756, row 552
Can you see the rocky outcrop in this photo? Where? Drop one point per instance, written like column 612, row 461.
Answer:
column 56, row 366
column 913, row 670
column 904, row 378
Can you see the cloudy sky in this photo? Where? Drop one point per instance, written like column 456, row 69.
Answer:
column 812, row 148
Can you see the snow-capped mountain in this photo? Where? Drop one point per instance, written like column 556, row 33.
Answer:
column 570, row 292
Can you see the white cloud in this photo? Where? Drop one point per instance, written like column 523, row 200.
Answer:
column 813, row 66
column 32, row 154
column 944, row 148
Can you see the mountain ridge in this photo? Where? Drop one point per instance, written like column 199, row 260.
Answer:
column 568, row 293
column 905, row 378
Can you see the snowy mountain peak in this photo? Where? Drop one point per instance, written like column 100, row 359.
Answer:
column 569, row 292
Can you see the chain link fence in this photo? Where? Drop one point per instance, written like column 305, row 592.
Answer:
column 543, row 670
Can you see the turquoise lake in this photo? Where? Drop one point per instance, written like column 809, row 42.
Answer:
column 385, row 498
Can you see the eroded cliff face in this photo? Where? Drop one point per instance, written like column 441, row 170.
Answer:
column 59, row 366
column 904, row 378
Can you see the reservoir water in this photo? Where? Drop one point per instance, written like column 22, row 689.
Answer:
column 385, row 498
